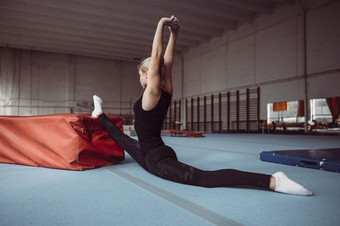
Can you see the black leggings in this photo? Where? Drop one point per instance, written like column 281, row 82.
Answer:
column 162, row 162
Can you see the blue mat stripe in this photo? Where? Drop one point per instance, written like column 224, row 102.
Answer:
column 191, row 207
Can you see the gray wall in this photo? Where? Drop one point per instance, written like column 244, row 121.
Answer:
column 34, row 83
column 268, row 53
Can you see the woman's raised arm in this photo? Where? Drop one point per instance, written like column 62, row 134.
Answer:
column 152, row 91
column 169, row 55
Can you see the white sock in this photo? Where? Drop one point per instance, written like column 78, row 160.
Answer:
column 97, row 106
column 286, row 185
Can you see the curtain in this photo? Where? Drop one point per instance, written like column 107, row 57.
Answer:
column 334, row 106
column 280, row 106
column 9, row 79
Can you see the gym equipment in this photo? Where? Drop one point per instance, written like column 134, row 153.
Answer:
column 181, row 133
column 62, row 141
column 323, row 159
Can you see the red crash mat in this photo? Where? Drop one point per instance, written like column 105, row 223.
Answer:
column 63, row 141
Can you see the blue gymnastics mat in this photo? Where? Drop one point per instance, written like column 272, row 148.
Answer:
column 323, row 159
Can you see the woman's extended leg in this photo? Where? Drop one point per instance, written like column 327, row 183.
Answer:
column 174, row 170
column 168, row 167
column 162, row 161
column 130, row 145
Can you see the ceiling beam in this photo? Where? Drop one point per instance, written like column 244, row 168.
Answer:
column 153, row 10
column 32, row 38
column 92, row 12
column 246, row 5
column 77, row 37
column 32, row 43
column 73, row 52
column 205, row 9
column 119, row 27
column 42, row 16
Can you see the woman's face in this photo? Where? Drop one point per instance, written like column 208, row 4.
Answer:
column 143, row 78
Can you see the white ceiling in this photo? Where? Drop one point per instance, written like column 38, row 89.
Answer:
column 118, row 29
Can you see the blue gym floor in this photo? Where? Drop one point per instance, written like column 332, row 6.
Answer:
column 125, row 194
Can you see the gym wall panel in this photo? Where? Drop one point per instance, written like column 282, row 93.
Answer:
column 321, row 87
column 209, row 75
column 51, row 76
column 177, row 77
column 240, row 62
column 281, row 13
column 131, row 88
column 97, row 76
column 192, row 73
column 243, row 31
column 275, row 56
column 323, row 35
column 35, row 83
column 50, row 82
column 270, row 54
